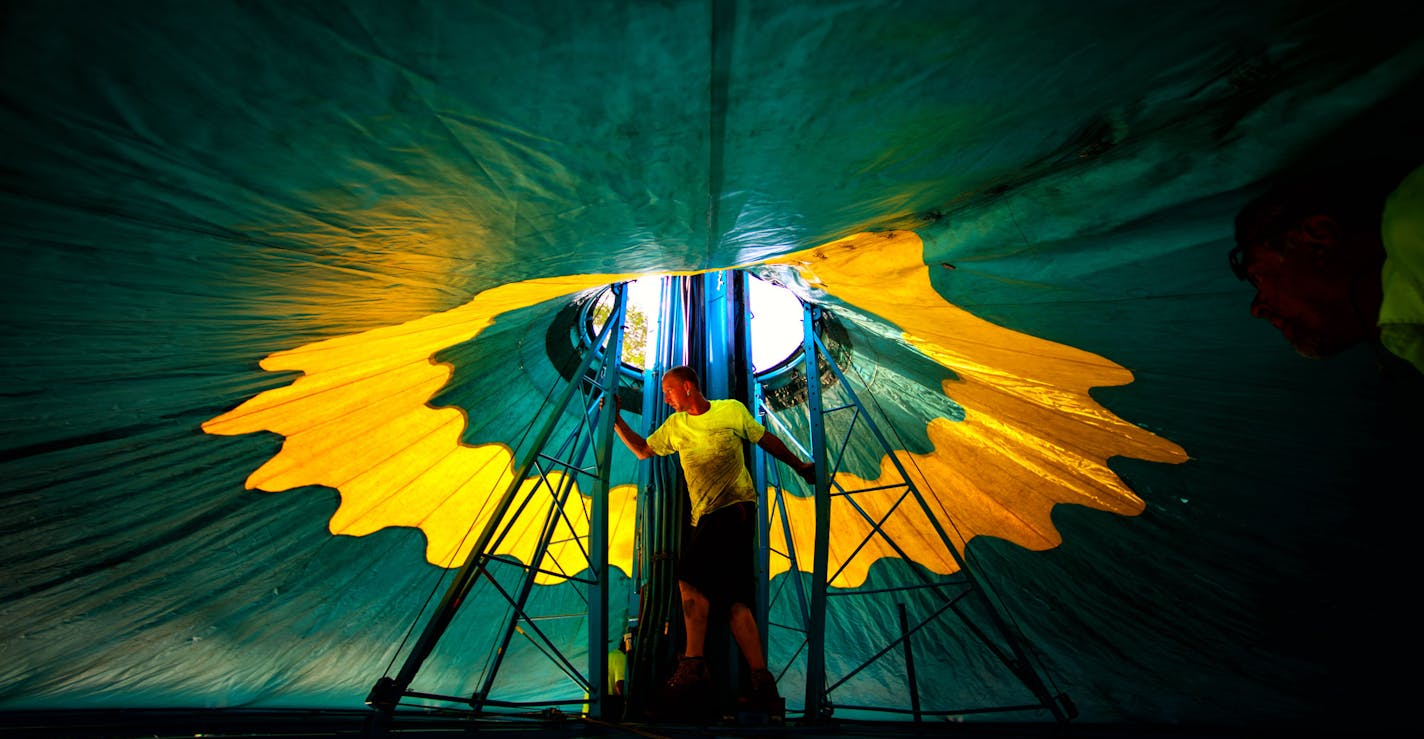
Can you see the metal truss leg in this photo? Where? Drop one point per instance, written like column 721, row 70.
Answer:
column 597, row 378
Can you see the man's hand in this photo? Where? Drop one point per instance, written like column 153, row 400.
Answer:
column 807, row 472
column 774, row 446
column 635, row 443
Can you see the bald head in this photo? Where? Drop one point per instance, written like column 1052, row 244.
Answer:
column 683, row 391
column 683, row 373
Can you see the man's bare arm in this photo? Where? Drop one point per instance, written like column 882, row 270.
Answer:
column 632, row 439
column 773, row 445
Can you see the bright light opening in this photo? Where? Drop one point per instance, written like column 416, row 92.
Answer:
column 775, row 311
column 776, row 323
column 640, row 330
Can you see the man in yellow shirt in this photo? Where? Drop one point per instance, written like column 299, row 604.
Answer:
column 616, row 688
column 716, row 573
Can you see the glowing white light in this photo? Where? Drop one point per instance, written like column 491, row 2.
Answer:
column 775, row 328
column 643, row 320
column 776, row 323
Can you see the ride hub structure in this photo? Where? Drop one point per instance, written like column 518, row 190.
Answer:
column 813, row 397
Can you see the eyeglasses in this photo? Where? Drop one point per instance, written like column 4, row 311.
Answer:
column 1236, row 257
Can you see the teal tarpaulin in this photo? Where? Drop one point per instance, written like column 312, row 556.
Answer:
column 187, row 189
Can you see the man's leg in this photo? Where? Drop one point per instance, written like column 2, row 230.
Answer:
column 763, row 696
column 694, row 618
column 687, row 691
column 744, row 629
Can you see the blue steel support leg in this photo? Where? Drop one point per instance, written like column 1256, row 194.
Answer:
column 1021, row 665
column 764, row 506
column 387, row 692
column 816, row 703
column 598, row 517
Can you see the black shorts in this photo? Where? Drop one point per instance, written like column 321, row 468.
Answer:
column 718, row 557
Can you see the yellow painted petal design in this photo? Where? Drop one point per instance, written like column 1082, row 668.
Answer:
column 357, row 420
column 1032, row 437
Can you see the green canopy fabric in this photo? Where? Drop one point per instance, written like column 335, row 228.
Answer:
column 200, row 200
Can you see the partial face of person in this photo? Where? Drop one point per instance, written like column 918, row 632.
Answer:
column 675, row 393
column 1305, row 293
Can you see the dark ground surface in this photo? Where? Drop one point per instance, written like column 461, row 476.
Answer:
column 125, row 724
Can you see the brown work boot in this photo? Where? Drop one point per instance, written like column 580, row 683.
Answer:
column 688, row 695
column 762, row 696
column 691, row 675
column 763, row 685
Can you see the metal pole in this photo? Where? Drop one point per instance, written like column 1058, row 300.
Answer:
column 816, row 705
column 764, row 506
column 598, row 516
column 909, row 663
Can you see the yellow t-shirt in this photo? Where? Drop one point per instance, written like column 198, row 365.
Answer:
column 617, row 671
column 710, row 445
column 1401, row 318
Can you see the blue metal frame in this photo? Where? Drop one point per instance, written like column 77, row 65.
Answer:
column 596, row 379
column 718, row 306
column 1005, row 643
column 817, row 695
